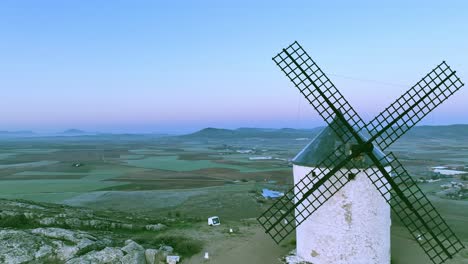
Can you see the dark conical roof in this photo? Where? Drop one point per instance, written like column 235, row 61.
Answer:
column 328, row 141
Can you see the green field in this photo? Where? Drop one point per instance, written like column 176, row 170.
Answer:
column 198, row 177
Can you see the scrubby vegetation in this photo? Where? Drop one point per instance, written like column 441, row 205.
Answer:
column 15, row 221
column 183, row 245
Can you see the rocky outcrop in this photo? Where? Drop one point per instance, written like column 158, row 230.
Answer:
column 21, row 247
column 42, row 244
column 62, row 216
column 49, row 233
column 151, row 255
column 107, row 255
column 156, row 227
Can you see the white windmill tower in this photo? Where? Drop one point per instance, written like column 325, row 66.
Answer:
column 345, row 184
column 354, row 224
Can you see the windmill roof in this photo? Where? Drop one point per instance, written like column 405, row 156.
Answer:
column 327, row 142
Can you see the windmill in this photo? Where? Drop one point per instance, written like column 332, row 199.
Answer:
column 357, row 151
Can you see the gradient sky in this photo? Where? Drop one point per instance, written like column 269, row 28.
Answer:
column 176, row 66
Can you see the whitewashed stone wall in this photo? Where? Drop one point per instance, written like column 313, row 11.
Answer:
column 353, row 227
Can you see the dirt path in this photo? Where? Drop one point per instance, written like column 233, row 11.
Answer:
column 253, row 247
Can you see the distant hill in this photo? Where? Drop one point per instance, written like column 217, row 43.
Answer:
column 450, row 132
column 457, row 132
column 20, row 132
column 73, row 131
column 220, row 133
column 13, row 134
column 420, row 132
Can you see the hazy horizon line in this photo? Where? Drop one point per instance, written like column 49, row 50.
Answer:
column 172, row 131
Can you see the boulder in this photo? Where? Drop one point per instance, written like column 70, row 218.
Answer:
column 131, row 246
column 63, row 234
column 67, row 243
column 4, row 213
column 19, row 246
column 150, row 255
column 43, row 252
column 29, row 215
column 63, row 251
column 98, row 224
column 73, row 222
column 47, row 221
column 167, row 249
column 155, row 227
column 48, row 244
column 135, row 253
column 134, row 257
column 108, row 255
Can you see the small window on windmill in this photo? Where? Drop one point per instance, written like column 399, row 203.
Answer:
column 213, row 221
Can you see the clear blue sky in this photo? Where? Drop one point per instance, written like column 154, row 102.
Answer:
column 176, row 66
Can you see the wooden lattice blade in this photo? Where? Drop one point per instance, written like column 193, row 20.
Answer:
column 319, row 90
column 433, row 89
column 415, row 211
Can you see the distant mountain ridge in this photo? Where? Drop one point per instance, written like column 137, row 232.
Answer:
column 459, row 131
column 450, row 131
column 211, row 132
column 74, row 131
column 19, row 132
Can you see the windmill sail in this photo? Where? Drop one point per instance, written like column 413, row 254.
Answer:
column 416, row 212
column 410, row 204
column 433, row 89
column 319, row 91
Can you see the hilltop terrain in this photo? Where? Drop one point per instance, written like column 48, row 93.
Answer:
column 110, row 187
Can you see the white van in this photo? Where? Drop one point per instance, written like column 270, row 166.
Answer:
column 213, row 221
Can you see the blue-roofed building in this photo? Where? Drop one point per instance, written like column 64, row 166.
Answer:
column 271, row 194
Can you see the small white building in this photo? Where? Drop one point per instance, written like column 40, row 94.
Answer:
column 244, row 151
column 213, row 221
column 353, row 226
column 261, row 158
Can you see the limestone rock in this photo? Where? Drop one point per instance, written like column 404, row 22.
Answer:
column 63, row 234
column 131, row 246
column 67, row 243
column 134, row 257
column 156, row 227
column 44, row 251
column 73, row 222
column 47, row 221
column 168, row 249
column 29, row 215
column 108, row 255
column 150, row 255
column 18, row 246
column 41, row 245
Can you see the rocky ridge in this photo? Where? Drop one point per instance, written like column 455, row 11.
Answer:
column 46, row 233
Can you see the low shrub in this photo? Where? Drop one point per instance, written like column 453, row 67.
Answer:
column 15, row 221
column 185, row 246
